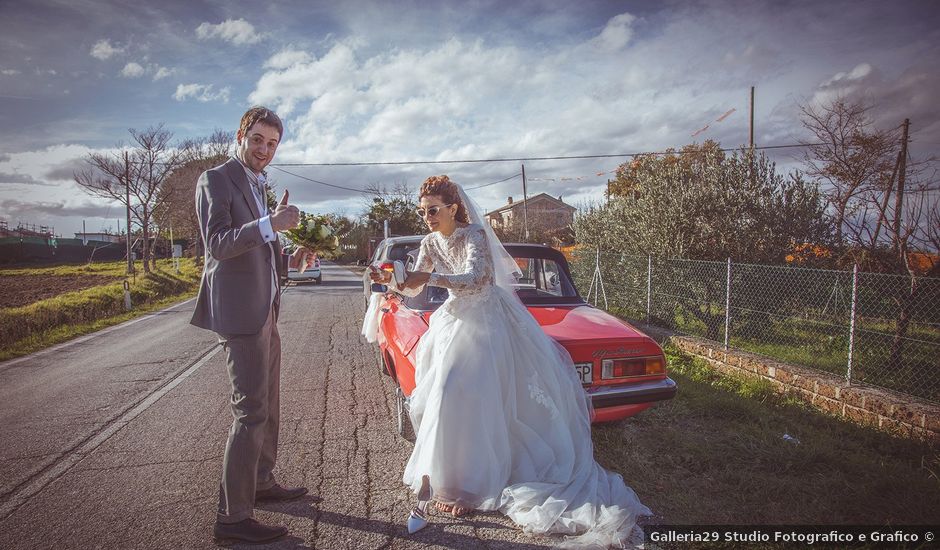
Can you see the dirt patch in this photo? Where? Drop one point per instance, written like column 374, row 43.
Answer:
column 22, row 290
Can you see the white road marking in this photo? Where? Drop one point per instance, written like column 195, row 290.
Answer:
column 7, row 364
column 26, row 491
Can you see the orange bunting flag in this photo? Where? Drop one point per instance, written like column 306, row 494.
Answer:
column 724, row 116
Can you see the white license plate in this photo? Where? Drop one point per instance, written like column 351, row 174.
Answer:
column 586, row 372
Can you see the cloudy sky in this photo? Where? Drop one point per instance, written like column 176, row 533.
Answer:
column 435, row 80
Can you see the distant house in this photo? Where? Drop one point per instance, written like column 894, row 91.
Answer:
column 544, row 211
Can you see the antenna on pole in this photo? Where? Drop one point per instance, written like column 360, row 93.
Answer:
column 525, row 206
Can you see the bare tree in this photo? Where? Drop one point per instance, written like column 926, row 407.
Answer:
column 886, row 211
column 140, row 170
column 177, row 207
column 847, row 155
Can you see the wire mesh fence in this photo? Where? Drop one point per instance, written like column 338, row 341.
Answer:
column 879, row 329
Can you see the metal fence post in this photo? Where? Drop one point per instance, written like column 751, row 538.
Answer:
column 728, row 304
column 848, row 370
column 649, row 286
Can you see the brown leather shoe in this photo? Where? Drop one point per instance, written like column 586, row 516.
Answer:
column 276, row 492
column 248, row 530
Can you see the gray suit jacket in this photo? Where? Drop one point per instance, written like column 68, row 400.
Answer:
column 235, row 291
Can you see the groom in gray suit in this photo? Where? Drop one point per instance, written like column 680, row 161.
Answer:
column 239, row 300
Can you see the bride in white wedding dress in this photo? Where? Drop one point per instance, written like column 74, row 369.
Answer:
column 501, row 420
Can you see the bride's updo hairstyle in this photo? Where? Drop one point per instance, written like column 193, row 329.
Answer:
column 442, row 187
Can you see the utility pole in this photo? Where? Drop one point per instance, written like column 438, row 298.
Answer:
column 525, row 206
column 752, row 119
column 127, row 188
column 899, row 243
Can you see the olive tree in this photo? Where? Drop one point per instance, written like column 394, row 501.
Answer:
column 701, row 204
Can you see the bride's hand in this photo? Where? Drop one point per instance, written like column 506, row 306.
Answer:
column 380, row 277
column 416, row 279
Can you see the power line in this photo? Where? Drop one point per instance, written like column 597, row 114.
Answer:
column 371, row 192
column 322, row 182
column 524, row 159
column 516, row 175
column 513, row 159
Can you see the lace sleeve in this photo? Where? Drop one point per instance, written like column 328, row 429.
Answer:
column 477, row 269
column 424, row 263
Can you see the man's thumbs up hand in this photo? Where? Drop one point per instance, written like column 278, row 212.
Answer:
column 285, row 216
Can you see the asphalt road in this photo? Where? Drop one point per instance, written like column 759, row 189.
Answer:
column 115, row 440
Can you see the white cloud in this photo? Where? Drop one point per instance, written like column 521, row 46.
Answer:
column 236, row 31
column 846, row 79
column 616, row 34
column 287, row 58
column 132, row 70
column 9, row 72
column 162, row 72
column 136, row 70
column 201, row 92
column 104, row 50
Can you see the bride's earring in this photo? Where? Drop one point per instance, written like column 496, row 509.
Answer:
column 418, row 519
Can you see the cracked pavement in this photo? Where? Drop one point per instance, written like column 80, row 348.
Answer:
column 154, row 482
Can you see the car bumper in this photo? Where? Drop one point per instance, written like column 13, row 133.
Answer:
column 634, row 394
column 307, row 274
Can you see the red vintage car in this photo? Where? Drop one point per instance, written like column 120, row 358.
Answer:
column 622, row 369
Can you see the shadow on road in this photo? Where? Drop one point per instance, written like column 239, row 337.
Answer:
column 434, row 534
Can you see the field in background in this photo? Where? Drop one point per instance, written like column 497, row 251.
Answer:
column 68, row 301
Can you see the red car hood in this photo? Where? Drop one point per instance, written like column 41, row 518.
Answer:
column 567, row 324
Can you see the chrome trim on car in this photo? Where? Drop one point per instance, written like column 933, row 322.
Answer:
column 643, row 392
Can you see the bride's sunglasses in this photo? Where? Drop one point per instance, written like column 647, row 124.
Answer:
column 432, row 210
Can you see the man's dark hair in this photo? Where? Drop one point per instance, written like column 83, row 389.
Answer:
column 260, row 114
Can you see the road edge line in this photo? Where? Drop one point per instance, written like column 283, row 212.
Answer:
column 22, row 494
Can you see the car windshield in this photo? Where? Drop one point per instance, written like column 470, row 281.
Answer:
column 543, row 278
column 400, row 251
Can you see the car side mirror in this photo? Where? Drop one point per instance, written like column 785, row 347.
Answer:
column 376, row 287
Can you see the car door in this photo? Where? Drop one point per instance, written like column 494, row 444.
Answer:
column 403, row 328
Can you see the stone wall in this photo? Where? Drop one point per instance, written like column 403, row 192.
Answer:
column 894, row 412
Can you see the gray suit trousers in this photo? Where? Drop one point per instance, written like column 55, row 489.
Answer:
column 254, row 368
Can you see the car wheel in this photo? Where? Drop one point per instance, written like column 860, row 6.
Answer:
column 319, row 279
column 403, row 420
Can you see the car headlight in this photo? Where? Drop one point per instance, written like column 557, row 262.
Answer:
column 632, row 366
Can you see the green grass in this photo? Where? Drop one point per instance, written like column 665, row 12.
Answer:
column 115, row 268
column 826, row 348
column 36, row 326
column 716, row 454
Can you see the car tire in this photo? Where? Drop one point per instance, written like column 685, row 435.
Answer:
column 403, row 419
column 319, row 279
